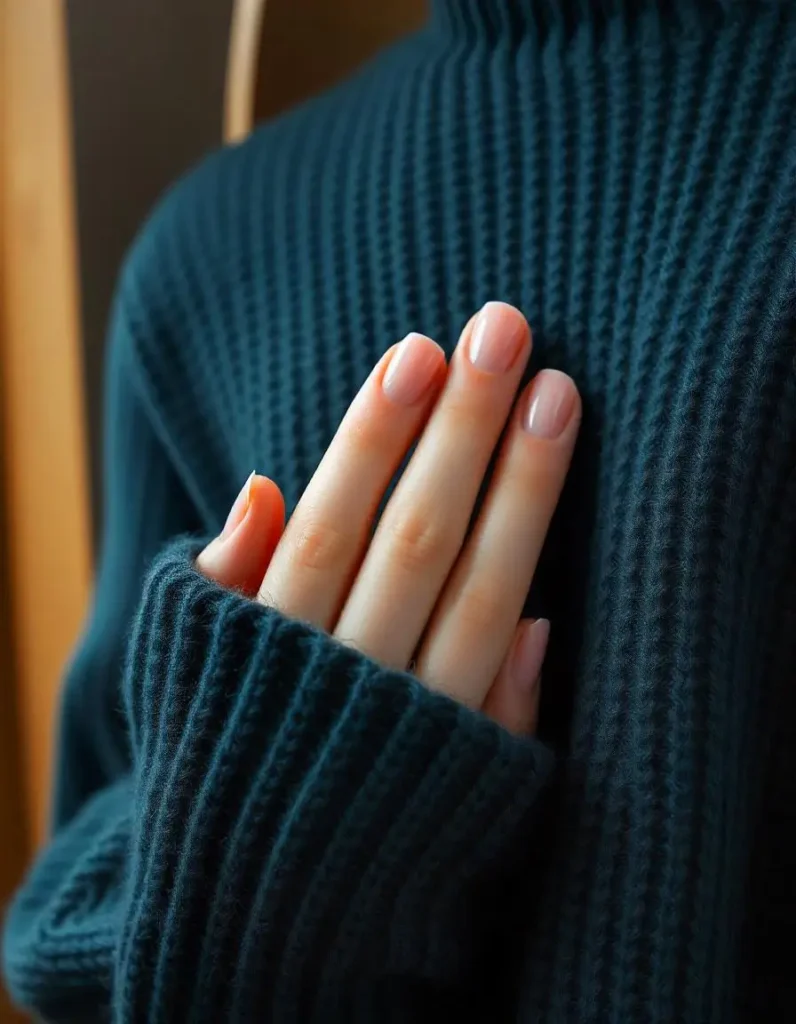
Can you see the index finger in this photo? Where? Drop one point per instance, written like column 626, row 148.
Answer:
column 323, row 544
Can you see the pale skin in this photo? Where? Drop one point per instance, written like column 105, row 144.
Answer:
column 419, row 593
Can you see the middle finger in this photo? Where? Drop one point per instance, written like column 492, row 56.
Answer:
column 426, row 519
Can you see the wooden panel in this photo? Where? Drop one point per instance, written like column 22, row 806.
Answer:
column 13, row 847
column 44, row 463
column 245, row 38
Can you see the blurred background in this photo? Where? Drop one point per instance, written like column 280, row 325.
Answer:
column 102, row 104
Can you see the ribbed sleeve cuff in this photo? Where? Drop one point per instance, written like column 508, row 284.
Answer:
column 308, row 823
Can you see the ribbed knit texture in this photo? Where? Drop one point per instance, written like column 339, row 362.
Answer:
column 255, row 823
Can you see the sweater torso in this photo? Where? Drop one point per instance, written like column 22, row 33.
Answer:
column 625, row 173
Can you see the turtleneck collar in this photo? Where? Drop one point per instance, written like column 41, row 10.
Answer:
column 497, row 16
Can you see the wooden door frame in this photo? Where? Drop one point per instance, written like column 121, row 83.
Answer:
column 41, row 403
column 244, row 57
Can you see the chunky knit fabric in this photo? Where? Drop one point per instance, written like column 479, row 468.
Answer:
column 255, row 824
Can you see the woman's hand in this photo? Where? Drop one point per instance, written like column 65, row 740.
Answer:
column 420, row 593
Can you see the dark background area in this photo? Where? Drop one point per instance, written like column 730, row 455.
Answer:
column 147, row 82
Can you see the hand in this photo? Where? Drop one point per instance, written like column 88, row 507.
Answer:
column 420, row 593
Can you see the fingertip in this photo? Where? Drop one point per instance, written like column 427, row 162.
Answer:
column 266, row 499
column 513, row 700
column 239, row 557
column 414, row 371
column 507, row 319
column 252, row 545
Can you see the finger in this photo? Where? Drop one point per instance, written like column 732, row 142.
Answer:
column 324, row 542
column 239, row 556
column 474, row 621
column 513, row 700
column 422, row 528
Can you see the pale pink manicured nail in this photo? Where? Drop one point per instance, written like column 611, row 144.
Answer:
column 528, row 655
column 499, row 335
column 550, row 404
column 412, row 370
column 239, row 509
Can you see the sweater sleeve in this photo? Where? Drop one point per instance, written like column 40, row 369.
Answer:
column 252, row 821
column 307, row 826
column 303, row 835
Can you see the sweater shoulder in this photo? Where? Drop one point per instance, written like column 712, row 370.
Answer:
column 199, row 264
column 221, row 284
column 207, row 217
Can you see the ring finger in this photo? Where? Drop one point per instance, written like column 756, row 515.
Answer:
column 478, row 612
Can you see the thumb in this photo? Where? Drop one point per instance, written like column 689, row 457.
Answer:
column 239, row 556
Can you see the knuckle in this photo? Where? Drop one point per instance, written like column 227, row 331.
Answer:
column 481, row 609
column 419, row 541
column 466, row 414
column 364, row 439
column 320, row 546
column 367, row 433
column 541, row 478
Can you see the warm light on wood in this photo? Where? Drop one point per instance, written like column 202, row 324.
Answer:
column 244, row 55
column 44, row 462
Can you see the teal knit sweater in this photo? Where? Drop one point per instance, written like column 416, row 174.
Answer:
column 253, row 823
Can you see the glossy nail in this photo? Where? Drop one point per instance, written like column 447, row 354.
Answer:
column 239, row 509
column 498, row 338
column 413, row 369
column 550, row 405
column 528, row 655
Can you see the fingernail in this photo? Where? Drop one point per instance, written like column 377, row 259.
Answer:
column 528, row 655
column 499, row 335
column 239, row 509
column 412, row 370
column 550, row 404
